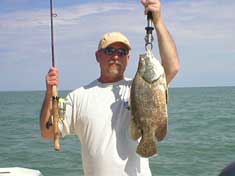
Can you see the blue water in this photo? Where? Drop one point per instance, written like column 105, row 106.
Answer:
column 200, row 140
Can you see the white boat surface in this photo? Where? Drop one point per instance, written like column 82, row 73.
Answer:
column 19, row 171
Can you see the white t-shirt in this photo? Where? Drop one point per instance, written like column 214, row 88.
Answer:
column 98, row 114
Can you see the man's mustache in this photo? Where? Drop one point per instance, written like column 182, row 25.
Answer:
column 115, row 62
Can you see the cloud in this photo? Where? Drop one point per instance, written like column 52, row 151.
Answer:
column 26, row 41
column 66, row 16
column 202, row 30
column 212, row 20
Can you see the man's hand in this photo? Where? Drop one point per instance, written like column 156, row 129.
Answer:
column 153, row 6
column 52, row 79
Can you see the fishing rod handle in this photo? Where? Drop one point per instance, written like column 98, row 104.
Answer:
column 150, row 15
column 55, row 112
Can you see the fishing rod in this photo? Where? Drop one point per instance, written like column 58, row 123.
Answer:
column 55, row 98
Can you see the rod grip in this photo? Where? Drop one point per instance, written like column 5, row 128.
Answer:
column 55, row 112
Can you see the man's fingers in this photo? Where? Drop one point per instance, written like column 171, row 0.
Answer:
column 150, row 9
column 152, row 1
column 149, row 2
column 143, row 2
column 53, row 83
column 52, row 78
column 53, row 72
column 53, row 69
column 151, row 6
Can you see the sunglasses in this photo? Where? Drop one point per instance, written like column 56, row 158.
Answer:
column 110, row 51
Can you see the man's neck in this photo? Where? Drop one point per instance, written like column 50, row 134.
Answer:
column 110, row 80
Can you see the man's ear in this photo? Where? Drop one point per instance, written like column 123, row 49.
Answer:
column 97, row 55
column 128, row 58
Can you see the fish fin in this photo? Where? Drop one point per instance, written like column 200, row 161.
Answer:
column 160, row 135
column 146, row 148
column 134, row 131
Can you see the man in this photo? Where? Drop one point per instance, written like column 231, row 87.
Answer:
column 97, row 113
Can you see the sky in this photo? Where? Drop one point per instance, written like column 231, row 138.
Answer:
column 203, row 30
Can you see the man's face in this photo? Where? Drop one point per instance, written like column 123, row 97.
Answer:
column 113, row 61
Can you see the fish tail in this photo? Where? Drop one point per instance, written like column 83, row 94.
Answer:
column 147, row 148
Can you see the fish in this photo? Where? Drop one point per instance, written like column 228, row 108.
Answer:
column 148, row 104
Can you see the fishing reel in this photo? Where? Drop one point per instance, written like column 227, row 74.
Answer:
column 61, row 112
column 149, row 32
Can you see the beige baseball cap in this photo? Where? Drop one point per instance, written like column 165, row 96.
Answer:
column 113, row 37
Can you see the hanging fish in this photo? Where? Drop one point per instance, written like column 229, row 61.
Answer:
column 148, row 105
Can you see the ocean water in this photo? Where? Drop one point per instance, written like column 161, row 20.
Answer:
column 200, row 140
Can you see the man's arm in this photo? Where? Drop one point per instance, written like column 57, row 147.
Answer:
column 167, row 48
column 168, row 51
column 46, row 133
column 51, row 79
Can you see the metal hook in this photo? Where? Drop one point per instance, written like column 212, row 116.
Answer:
column 148, row 46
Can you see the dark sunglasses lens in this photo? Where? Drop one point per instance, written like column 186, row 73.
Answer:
column 122, row 52
column 109, row 50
